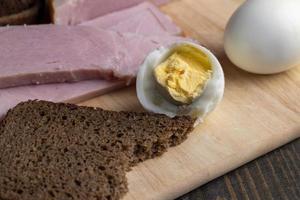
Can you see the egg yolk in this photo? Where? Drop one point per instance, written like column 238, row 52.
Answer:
column 184, row 74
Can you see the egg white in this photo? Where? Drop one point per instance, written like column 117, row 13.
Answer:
column 154, row 101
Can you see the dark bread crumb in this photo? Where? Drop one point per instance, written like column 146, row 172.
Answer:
column 63, row 151
column 8, row 7
column 19, row 12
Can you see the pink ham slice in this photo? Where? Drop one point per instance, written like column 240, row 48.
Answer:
column 145, row 19
column 72, row 12
column 66, row 92
column 58, row 54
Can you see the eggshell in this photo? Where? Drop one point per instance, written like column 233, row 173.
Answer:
column 263, row 36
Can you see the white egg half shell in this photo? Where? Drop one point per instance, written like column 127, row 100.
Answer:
column 154, row 101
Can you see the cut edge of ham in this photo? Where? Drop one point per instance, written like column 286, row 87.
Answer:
column 63, row 77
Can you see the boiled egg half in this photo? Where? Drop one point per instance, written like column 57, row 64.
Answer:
column 182, row 79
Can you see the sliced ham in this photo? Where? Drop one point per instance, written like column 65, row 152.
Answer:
column 72, row 12
column 145, row 19
column 57, row 54
column 67, row 92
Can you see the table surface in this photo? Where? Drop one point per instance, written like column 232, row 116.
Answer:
column 275, row 175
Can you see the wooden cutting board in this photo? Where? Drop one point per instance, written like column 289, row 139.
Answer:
column 258, row 113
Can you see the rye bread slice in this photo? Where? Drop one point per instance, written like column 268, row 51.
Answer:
column 19, row 12
column 63, row 151
column 8, row 7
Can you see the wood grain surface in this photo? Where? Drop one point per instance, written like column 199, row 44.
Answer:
column 257, row 114
column 275, row 175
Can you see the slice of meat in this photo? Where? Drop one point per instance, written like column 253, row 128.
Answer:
column 144, row 18
column 72, row 12
column 57, row 54
column 66, row 92
column 70, row 92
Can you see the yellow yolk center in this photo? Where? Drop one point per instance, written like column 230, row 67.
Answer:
column 184, row 74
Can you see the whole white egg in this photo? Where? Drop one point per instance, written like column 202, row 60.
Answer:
column 263, row 36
